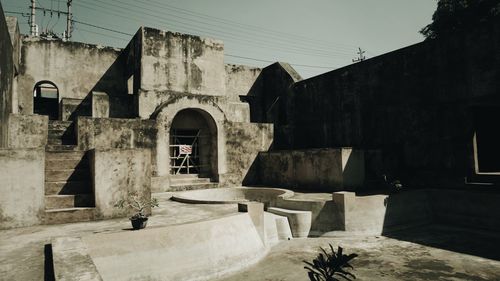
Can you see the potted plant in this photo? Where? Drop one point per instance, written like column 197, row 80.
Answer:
column 138, row 204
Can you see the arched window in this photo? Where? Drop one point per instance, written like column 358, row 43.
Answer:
column 46, row 99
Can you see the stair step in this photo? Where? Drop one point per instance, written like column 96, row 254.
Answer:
column 53, row 155
column 69, row 215
column 60, row 125
column 68, row 187
column 192, row 186
column 66, row 175
column 68, row 201
column 62, row 164
column 175, row 180
column 58, row 147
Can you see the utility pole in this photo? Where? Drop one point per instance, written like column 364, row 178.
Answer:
column 361, row 56
column 32, row 19
column 68, row 22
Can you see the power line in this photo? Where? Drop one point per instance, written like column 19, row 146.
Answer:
column 250, row 41
column 103, row 28
column 268, row 61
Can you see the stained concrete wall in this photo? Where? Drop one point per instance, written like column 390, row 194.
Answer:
column 243, row 143
column 7, row 70
column 116, row 172
column 181, row 63
column 22, row 177
column 106, row 133
column 26, row 131
column 195, row 251
column 416, row 104
column 315, row 169
column 75, row 68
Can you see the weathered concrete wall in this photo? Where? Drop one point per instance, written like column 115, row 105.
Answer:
column 195, row 251
column 416, row 104
column 181, row 63
column 7, row 70
column 22, row 177
column 26, row 131
column 239, row 80
column 75, row 68
column 116, row 172
column 106, row 133
column 315, row 169
column 244, row 141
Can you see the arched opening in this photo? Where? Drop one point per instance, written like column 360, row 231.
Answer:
column 193, row 144
column 46, row 99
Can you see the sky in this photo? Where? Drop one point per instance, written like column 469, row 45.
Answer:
column 314, row 36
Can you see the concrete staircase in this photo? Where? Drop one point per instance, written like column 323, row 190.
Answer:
column 190, row 182
column 68, row 189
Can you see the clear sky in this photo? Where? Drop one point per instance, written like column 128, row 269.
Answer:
column 314, row 36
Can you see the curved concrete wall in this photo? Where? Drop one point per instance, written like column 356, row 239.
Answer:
column 195, row 251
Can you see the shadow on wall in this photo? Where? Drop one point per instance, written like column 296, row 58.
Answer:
column 460, row 221
column 117, row 83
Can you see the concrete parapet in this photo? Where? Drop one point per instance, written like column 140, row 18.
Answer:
column 72, row 261
column 317, row 169
column 202, row 250
column 300, row 221
column 22, row 180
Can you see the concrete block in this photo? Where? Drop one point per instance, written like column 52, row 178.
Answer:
column 21, row 187
column 256, row 212
column 344, row 202
column 300, row 221
column 27, row 131
column 72, row 261
column 100, row 105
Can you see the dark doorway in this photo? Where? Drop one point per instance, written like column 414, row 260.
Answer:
column 46, row 99
column 487, row 139
column 193, row 144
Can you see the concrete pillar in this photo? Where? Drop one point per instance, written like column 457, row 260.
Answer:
column 344, row 203
column 256, row 212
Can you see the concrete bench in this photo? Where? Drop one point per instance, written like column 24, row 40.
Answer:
column 300, row 221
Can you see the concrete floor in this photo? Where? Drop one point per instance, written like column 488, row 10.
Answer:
column 423, row 254
column 380, row 258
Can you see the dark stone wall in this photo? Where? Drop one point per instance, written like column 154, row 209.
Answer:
column 416, row 104
column 6, row 77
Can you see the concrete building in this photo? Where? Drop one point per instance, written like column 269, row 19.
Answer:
column 81, row 125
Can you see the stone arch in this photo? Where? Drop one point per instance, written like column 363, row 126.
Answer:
column 165, row 115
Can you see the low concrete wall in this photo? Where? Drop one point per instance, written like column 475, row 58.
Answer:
column 107, row 133
column 22, row 177
column 115, row 173
column 316, row 169
column 194, row 251
column 72, row 261
column 27, row 131
column 244, row 141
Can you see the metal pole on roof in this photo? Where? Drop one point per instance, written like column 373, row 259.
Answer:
column 32, row 19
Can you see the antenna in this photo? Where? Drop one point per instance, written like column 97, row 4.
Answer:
column 361, row 56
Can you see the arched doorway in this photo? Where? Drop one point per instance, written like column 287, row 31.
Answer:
column 46, row 99
column 193, row 144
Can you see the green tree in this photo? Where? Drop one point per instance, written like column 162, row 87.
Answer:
column 457, row 16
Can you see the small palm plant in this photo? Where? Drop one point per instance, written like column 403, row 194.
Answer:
column 330, row 266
